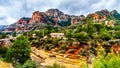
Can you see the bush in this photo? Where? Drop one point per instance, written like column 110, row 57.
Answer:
column 3, row 51
column 110, row 61
column 105, row 36
column 19, row 52
column 64, row 47
column 28, row 64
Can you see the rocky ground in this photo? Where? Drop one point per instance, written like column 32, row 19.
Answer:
column 48, row 59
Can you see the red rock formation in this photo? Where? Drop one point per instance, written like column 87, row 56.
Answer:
column 23, row 20
column 76, row 19
column 97, row 17
column 73, row 21
column 17, row 29
column 36, row 17
column 39, row 17
column 54, row 13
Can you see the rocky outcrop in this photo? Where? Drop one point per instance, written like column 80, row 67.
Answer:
column 36, row 17
column 54, row 13
column 21, row 24
column 56, row 17
column 77, row 19
column 23, row 20
column 103, row 12
column 10, row 28
column 39, row 17
column 99, row 16
column 59, row 16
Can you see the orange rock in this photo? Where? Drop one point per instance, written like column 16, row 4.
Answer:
column 36, row 17
column 17, row 29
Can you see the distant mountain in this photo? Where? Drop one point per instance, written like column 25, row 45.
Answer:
column 56, row 17
column 103, row 12
column 3, row 26
column 54, row 13
column 109, row 14
column 115, row 14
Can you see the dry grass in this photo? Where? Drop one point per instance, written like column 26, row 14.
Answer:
column 5, row 65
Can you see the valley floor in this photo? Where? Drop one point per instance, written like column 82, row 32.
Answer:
column 44, row 59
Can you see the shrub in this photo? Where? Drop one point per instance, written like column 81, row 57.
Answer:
column 19, row 52
column 64, row 47
column 110, row 61
column 3, row 51
column 28, row 64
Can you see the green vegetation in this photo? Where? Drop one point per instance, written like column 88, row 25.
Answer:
column 14, row 34
column 19, row 52
column 65, row 23
column 3, row 51
column 91, row 38
column 109, row 61
column 27, row 64
column 3, row 35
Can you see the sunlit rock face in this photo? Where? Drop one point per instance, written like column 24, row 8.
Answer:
column 10, row 28
column 99, row 16
column 22, row 23
column 39, row 17
column 36, row 17
column 77, row 19
column 54, row 13
column 23, row 20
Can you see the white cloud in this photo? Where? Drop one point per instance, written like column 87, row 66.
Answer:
column 7, row 21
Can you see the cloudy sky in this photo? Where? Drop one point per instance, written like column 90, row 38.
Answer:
column 12, row 10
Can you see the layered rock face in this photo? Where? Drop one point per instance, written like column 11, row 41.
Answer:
column 10, row 28
column 54, row 13
column 99, row 16
column 103, row 12
column 23, row 20
column 105, row 16
column 22, row 23
column 59, row 16
column 36, row 17
column 39, row 17
column 51, row 16
column 77, row 19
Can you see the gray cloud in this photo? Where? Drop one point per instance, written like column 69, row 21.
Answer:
column 12, row 10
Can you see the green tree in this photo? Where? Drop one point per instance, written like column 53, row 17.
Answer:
column 81, row 36
column 105, row 35
column 29, row 64
column 4, row 35
column 69, row 34
column 14, row 34
column 19, row 52
column 3, row 51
